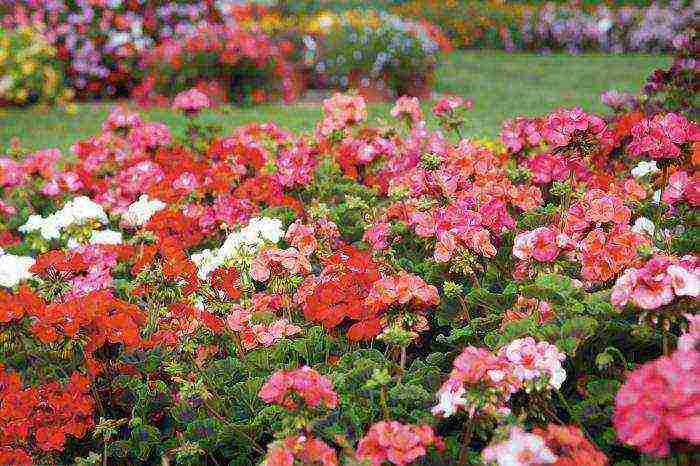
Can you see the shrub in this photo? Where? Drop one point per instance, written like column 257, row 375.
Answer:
column 234, row 64
column 375, row 52
column 29, row 70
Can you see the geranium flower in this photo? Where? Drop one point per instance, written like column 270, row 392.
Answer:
column 399, row 444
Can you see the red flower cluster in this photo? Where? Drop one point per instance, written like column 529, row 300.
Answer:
column 97, row 316
column 340, row 291
column 43, row 415
column 227, row 55
column 399, row 444
column 287, row 388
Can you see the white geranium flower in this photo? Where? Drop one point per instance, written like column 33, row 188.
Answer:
column 106, row 237
column 449, row 402
column 14, row 269
column 206, row 261
column 239, row 243
column 138, row 213
column 644, row 225
column 644, row 168
column 75, row 212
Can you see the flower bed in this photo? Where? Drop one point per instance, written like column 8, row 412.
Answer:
column 389, row 294
column 231, row 64
column 556, row 25
column 101, row 43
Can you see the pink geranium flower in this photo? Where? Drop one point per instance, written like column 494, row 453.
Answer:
column 660, row 403
column 399, row 444
column 191, row 102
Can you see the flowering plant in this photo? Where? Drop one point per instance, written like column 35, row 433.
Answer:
column 386, row 295
column 378, row 53
column 29, row 69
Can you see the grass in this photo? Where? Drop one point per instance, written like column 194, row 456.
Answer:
column 502, row 86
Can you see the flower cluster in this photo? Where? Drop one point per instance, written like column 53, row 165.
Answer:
column 288, row 388
column 521, row 364
column 380, row 54
column 29, row 69
column 223, row 61
column 571, row 27
column 659, row 403
column 658, row 282
column 556, row 445
column 662, row 136
column 341, row 111
column 14, row 269
column 399, row 444
column 43, row 416
column 308, row 450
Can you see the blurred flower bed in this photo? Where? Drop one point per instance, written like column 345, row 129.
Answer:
column 29, row 70
column 557, row 26
column 246, row 53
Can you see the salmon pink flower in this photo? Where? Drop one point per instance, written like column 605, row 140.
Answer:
column 399, row 444
column 408, row 108
column 283, row 387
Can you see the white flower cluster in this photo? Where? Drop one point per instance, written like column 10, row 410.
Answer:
column 106, row 237
column 644, row 168
column 138, row 213
column 245, row 241
column 14, row 269
column 76, row 211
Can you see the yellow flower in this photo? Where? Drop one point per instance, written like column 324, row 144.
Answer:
column 21, row 95
column 28, row 67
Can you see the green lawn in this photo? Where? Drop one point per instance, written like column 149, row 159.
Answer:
column 502, row 86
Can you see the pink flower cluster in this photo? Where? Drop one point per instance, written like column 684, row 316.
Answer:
column 279, row 262
column 523, row 363
column 539, row 244
column 307, row 450
column 660, row 403
column 658, row 282
column 285, row 388
column 191, row 102
column 682, row 187
column 403, row 288
column 341, row 111
column 409, row 109
column 296, row 165
column 396, row 443
column 663, row 136
column 260, row 334
column 447, row 106
column 561, row 128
